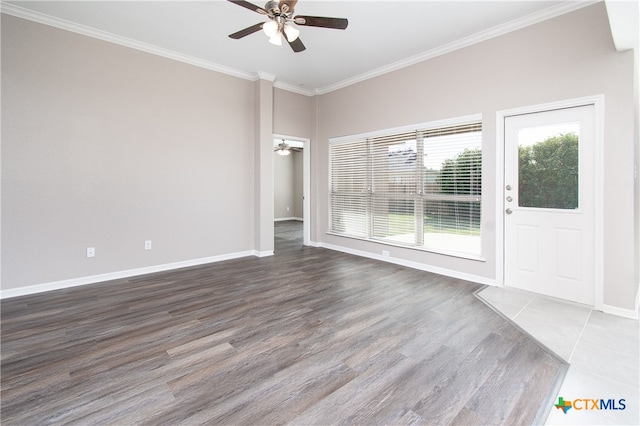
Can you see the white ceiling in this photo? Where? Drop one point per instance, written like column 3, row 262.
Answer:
column 382, row 35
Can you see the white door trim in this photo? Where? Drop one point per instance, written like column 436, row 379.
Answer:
column 598, row 107
column 306, row 185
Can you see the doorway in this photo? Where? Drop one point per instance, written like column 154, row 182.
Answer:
column 549, row 202
column 291, row 188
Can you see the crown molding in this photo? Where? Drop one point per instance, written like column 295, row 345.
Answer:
column 284, row 86
column 295, row 89
column 20, row 12
column 265, row 76
column 496, row 31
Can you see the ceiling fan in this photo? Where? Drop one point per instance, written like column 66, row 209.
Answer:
column 284, row 149
column 280, row 22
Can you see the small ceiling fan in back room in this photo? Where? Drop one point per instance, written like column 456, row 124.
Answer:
column 281, row 20
column 284, row 148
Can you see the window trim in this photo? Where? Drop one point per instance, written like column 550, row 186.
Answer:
column 408, row 128
column 396, row 130
column 450, row 253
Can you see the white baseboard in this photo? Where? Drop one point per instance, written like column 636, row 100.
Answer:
column 93, row 279
column 263, row 253
column 282, row 219
column 621, row 312
column 411, row 264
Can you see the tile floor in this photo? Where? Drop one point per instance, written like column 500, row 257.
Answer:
column 603, row 352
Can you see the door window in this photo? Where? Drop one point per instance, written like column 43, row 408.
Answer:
column 548, row 166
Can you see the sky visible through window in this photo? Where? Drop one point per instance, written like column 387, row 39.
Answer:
column 455, row 144
column 532, row 135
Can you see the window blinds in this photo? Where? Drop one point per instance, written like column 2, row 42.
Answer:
column 420, row 188
column 349, row 188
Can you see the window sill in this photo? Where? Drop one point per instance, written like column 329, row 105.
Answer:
column 450, row 253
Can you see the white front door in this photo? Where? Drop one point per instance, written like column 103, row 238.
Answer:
column 549, row 203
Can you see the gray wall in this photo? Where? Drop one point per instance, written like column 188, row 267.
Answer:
column 107, row 146
column 287, row 179
column 293, row 114
column 298, row 181
column 287, row 185
column 283, row 186
column 263, row 168
column 571, row 56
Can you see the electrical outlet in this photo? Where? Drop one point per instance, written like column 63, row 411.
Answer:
column 147, row 245
column 385, row 253
column 91, row 252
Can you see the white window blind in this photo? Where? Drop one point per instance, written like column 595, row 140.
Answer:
column 421, row 188
column 349, row 169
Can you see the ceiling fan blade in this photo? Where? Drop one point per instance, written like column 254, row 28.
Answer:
column 249, row 6
column 319, row 21
column 290, row 5
column 296, row 44
column 249, row 30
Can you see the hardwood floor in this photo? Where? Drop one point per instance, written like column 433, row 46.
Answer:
column 309, row 336
column 288, row 229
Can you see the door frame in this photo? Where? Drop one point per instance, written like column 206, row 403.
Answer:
column 597, row 101
column 306, row 184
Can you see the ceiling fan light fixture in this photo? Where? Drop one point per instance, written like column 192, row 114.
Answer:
column 280, row 15
column 283, row 151
column 270, row 28
column 276, row 39
column 291, row 33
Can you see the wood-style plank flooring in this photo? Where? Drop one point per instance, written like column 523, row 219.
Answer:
column 308, row 336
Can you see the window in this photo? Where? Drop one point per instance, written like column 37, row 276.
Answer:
column 420, row 188
column 548, row 166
